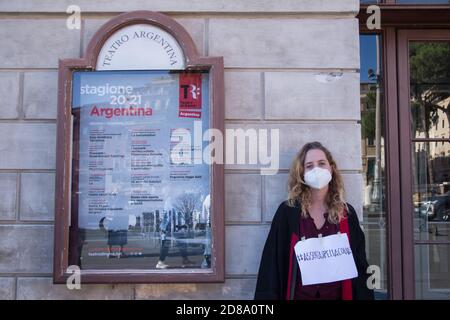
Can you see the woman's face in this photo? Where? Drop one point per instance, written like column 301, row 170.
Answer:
column 316, row 158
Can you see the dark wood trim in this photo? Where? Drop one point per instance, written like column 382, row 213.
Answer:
column 392, row 166
column 427, row 35
column 193, row 61
column 218, row 178
column 363, row 30
column 63, row 162
column 74, row 237
column 146, row 17
column 411, row 16
column 406, row 168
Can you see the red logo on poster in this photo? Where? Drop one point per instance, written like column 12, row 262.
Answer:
column 190, row 91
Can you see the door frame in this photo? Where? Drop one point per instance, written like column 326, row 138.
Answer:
column 393, row 18
column 404, row 36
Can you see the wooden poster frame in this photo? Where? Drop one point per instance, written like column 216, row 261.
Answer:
column 65, row 226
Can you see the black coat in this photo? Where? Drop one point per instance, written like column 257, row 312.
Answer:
column 276, row 261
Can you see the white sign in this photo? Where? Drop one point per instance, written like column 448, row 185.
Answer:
column 141, row 47
column 326, row 259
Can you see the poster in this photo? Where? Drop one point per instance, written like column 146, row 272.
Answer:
column 142, row 183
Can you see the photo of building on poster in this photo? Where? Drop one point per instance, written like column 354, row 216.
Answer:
column 137, row 208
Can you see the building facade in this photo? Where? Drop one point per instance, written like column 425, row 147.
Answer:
column 316, row 71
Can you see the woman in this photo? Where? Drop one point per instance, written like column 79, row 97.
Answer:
column 315, row 207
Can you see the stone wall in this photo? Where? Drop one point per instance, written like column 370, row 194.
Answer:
column 278, row 59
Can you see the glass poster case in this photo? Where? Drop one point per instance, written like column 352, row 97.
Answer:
column 139, row 195
column 142, row 187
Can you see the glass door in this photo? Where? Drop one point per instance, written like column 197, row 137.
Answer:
column 374, row 211
column 424, row 118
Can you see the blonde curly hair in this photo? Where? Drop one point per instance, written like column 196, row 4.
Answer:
column 300, row 191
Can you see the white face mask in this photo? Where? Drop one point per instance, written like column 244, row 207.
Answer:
column 317, row 178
